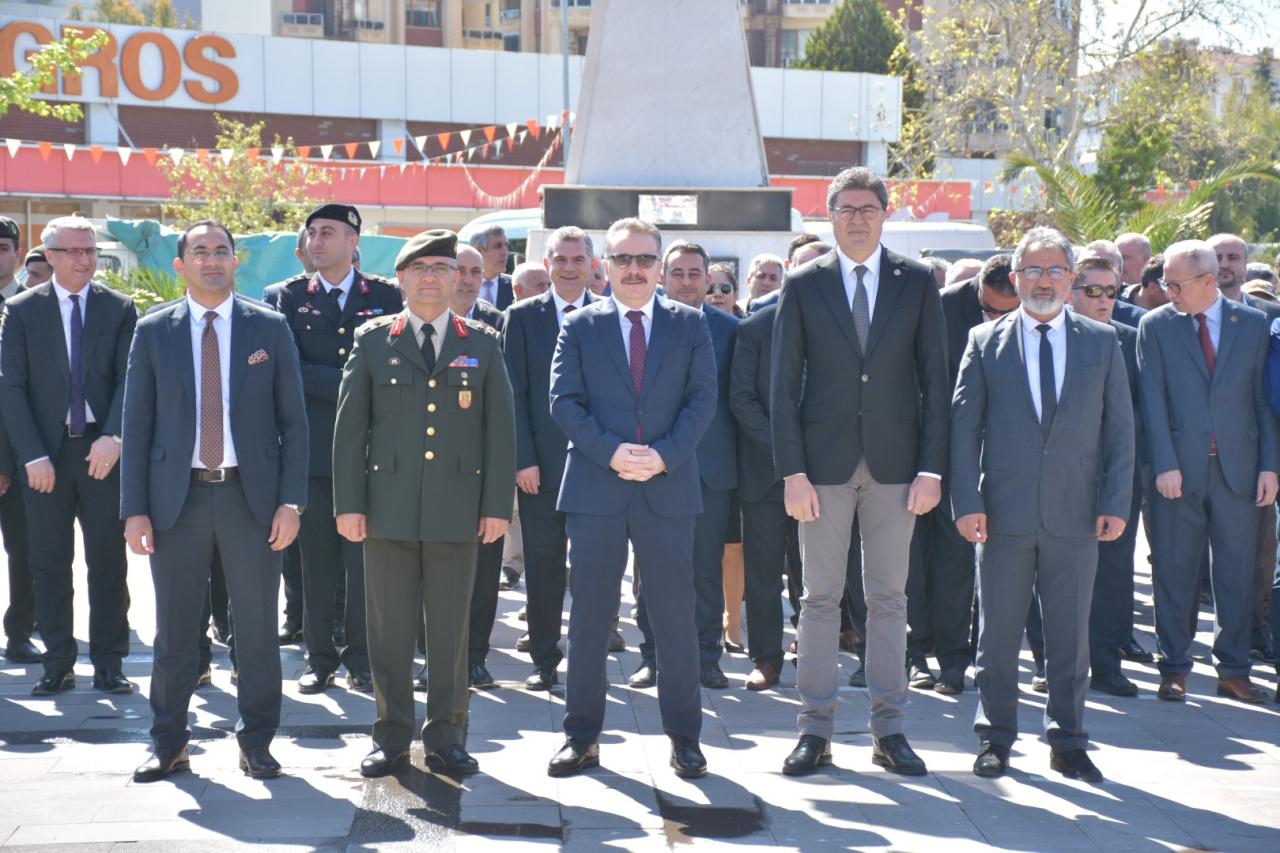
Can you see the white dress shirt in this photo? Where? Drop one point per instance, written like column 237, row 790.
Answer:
column 625, row 322
column 221, row 327
column 10, row 290
column 489, row 290
column 344, row 287
column 64, row 307
column 1031, row 352
column 560, row 304
column 870, row 278
column 1213, row 316
column 440, row 324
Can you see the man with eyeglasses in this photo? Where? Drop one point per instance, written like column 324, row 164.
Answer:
column 423, row 472
column 1042, row 449
column 1212, row 440
column 633, row 386
column 495, row 284
column 63, row 352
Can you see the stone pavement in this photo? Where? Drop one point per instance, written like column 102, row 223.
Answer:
column 1202, row 776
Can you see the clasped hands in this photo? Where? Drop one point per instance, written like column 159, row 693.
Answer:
column 637, row 462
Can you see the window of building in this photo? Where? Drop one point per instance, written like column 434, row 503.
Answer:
column 511, row 42
column 422, row 13
column 791, row 46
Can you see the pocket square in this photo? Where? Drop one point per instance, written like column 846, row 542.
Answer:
column 259, row 357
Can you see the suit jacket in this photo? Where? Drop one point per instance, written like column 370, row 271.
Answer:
column 757, row 305
column 8, row 466
column 1025, row 476
column 528, row 346
column 1127, row 314
column 832, row 404
column 34, row 368
column 268, row 415
column 749, row 402
column 325, row 337
column 961, row 310
column 1183, row 407
column 1270, row 309
column 594, row 402
column 718, row 449
column 485, row 312
column 424, row 454
column 1128, row 337
column 505, row 295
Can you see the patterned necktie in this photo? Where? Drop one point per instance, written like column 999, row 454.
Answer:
column 861, row 309
column 1048, row 385
column 1210, row 358
column 210, row 395
column 639, row 355
column 428, row 346
column 77, row 421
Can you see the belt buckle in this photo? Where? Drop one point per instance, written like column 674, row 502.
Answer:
column 217, row 475
column 73, row 434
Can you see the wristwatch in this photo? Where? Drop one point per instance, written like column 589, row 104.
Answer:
column 117, row 439
column 295, row 508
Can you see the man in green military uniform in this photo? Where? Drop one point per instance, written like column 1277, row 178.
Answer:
column 423, row 472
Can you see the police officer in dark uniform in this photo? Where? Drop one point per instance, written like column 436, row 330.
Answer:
column 324, row 310
column 423, row 472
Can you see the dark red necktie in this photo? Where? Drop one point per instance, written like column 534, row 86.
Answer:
column 1206, row 344
column 639, row 353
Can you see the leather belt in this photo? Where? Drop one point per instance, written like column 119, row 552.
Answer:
column 214, row 475
column 90, row 428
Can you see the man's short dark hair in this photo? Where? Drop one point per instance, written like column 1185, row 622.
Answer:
column 995, row 274
column 857, row 178
column 798, row 241
column 684, row 247
column 204, row 223
column 1153, row 271
column 1095, row 262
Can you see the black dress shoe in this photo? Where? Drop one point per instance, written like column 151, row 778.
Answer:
column 111, row 681
column 894, row 754
column 360, row 681
column 1262, row 654
column 950, row 682
column 919, row 675
column 162, row 763
column 510, row 578
column 291, row 633
column 686, row 758
column 859, row 677
column 205, row 678
column 573, row 758
column 1113, row 683
column 315, row 680
column 992, row 761
column 616, row 641
column 810, row 753
column 54, row 682
column 713, row 677
column 542, row 679
column 381, row 763
column 1136, row 653
column 733, row 648
column 22, row 651
column 646, row 675
column 453, row 760
column 257, row 761
column 420, row 680
column 1075, row 764
column 479, row 677
column 1039, row 683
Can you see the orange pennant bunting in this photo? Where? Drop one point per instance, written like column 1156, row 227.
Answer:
column 351, row 149
column 490, row 132
column 304, row 151
column 532, row 124
column 95, row 151
column 444, row 140
column 151, row 155
column 251, row 153
column 46, row 148
column 398, row 145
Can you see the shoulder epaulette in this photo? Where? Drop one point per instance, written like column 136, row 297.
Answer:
column 480, row 327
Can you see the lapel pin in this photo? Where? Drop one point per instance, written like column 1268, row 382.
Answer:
column 897, row 272
column 1233, row 318
column 394, row 360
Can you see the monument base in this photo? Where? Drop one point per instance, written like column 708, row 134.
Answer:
column 671, row 209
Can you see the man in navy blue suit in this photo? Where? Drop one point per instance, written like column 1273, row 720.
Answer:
column 633, row 386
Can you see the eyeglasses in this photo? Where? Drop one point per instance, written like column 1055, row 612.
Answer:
column 643, row 261
column 1093, row 291
column 866, row 213
column 1035, row 273
column 75, row 254
column 438, row 270
column 1176, row 286
column 724, row 287
column 993, row 313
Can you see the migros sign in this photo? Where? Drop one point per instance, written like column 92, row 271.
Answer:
column 150, row 64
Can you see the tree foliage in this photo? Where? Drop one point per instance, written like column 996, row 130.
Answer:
column 20, row 89
column 859, row 35
column 246, row 192
column 157, row 13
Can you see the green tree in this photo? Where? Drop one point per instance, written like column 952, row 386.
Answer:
column 163, row 14
column 158, row 13
column 912, row 156
column 20, row 89
column 859, row 35
column 247, row 193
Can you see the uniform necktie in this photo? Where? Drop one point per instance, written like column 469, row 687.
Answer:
column 210, row 395
column 1048, row 386
column 1206, row 344
column 639, row 355
column 76, row 409
column 429, row 347
column 861, row 309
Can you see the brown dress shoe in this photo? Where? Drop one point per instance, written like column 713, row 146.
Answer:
column 1173, row 688
column 763, row 676
column 1240, row 688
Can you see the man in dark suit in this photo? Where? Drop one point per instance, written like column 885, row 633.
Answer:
column 1041, row 470
column 528, row 344
column 1212, row 441
column 324, row 312
column 633, row 386
column 859, row 417
column 495, row 286
column 215, row 456
column 685, row 278
column 63, row 349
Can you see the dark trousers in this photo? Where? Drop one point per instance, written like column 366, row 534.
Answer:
column 1265, row 576
column 545, row 554
column 1230, row 522
column 940, row 591
column 663, row 559
column 330, row 562
column 217, row 609
column 51, row 522
column 765, row 530
column 1111, row 616
column 215, row 516
column 484, row 599
column 292, row 577
column 709, row 532
column 20, row 616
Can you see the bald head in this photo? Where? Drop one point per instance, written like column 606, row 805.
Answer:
column 470, row 277
column 529, row 279
column 1135, row 251
column 1233, row 258
column 963, row 270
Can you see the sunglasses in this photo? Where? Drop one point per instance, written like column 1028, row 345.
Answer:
column 1093, row 291
column 643, row 261
column 724, row 287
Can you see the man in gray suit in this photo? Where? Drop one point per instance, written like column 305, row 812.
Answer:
column 1042, row 450
column 1212, row 438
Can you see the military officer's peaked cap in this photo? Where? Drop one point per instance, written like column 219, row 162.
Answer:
column 338, row 213
column 437, row 243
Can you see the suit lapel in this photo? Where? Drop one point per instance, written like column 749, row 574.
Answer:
column 888, row 289
column 180, row 347
column 94, row 322
column 831, row 285
column 548, row 319
column 1184, row 328
column 1073, row 339
column 242, row 340
column 658, row 337
column 609, row 326
column 54, row 313
column 324, row 301
column 1227, row 324
column 974, row 307
column 356, row 301
column 1011, row 341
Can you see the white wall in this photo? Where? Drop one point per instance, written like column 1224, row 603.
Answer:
column 252, row 17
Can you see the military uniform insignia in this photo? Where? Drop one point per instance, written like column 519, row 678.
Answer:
column 397, row 326
column 369, row 312
column 353, row 220
column 313, row 286
column 394, row 360
column 460, row 326
column 364, row 285
column 464, row 398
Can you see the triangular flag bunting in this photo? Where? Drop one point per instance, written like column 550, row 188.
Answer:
column 398, row 145
column 70, row 149
column 227, row 154
column 150, row 155
column 511, row 143
column 484, row 150
column 362, row 172
column 511, row 128
column 382, row 171
column 175, row 154
column 466, row 136
column 443, row 139
column 532, row 124
column 304, row 151
column 326, row 151
column 95, row 151
column 13, row 145
column 351, row 149
column 402, row 167
column 202, row 156
column 490, row 132
column 125, row 154
column 45, row 149
column 374, row 145
column 251, row 153
column 551, row 122
column 277, row 152
column 421, row 142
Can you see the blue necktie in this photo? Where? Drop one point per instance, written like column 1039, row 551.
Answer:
column 1048, row 387
column 77, row 419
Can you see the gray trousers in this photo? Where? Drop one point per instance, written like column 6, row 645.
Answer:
column 881, row 509
column 1061, row 571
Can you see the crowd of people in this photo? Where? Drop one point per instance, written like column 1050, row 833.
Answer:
column 928, row 460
